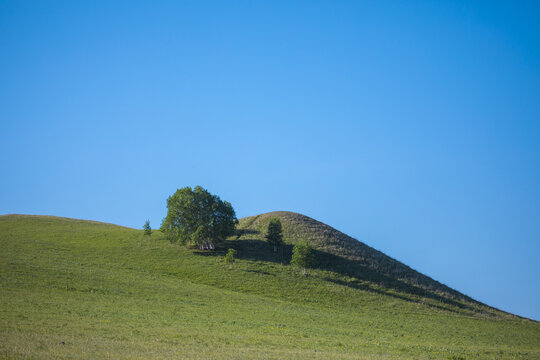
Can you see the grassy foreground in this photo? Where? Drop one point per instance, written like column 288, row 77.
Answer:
column 80, row 289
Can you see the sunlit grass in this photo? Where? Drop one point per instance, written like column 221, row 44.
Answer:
column 76, row 289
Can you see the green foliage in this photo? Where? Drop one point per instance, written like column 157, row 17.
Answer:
column 229, row 257
column 274, row 233
column 302, row 255
column 147, row 229
column 196, row 217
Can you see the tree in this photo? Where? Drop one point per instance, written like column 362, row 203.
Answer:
column 196, row 217
column 147, row 229
column 302, row 255
column 229, row 258
column 273, row 234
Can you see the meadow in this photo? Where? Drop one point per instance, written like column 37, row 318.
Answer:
column 75, row 289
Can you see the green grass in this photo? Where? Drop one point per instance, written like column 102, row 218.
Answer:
column 78, row 289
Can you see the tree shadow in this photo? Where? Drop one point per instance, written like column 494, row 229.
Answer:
column 258, row 250
column 356, row 270
column 358, row 285
column 240, row 232
column 260, row 272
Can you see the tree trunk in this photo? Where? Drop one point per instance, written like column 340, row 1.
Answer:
column 303, row 271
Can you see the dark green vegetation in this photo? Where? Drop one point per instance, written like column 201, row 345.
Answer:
column 196, row 217
column 274, row 233
column 302, row 255
column 81, row 289
column 147, row 229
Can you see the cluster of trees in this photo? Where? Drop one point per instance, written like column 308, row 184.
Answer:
column 197, row 218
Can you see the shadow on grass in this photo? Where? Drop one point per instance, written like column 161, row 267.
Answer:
column 242, row 232
column 358, row 285
column 258, row 250
column 260, row 272
column 356, row 270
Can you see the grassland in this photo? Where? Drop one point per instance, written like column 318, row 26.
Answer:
column 87, row 290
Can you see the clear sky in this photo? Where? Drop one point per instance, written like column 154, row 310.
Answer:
column 412, row 126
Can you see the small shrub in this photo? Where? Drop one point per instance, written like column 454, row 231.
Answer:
column 147, row 229
column 302, row 255
column 229, row 258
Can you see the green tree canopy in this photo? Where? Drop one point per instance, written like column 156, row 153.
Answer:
column 302, row 255
column 274, row 233
column 147, row 229
column 196, row 217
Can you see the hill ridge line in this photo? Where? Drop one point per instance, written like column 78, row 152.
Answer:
column 66, row 218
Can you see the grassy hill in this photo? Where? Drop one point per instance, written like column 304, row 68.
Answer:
column 341, row 253
column 82, row 289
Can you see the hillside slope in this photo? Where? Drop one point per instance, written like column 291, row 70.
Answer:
column 351, row 256
column 78, row 289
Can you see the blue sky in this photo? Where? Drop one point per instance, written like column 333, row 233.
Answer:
column 412, row 126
